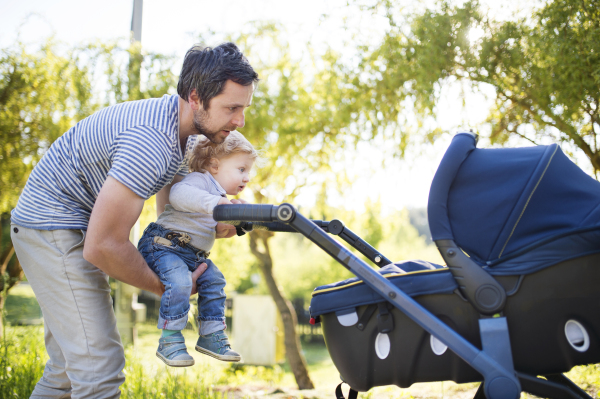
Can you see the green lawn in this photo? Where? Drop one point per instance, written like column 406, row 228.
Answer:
column 21, row 306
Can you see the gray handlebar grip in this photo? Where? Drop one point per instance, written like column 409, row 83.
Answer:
column 245, row 213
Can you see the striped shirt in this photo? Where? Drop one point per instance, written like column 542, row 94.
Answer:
column 136, row 142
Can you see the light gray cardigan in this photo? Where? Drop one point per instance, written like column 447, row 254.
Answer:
column 191, row 210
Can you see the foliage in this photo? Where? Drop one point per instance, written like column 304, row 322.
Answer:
column 22, row 361
column 545, row 69
column 587, row 378
column 45, row 92
column 35, row 109
column 298, row 117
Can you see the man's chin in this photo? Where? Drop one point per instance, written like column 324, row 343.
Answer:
column 216, row 138
column 219, row 137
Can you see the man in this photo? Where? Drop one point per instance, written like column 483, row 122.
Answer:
column 71, row 226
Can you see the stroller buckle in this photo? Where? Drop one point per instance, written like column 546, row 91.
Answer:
column 385, row 323
column 385, row 320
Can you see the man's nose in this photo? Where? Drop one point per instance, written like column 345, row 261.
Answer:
column 239, row 119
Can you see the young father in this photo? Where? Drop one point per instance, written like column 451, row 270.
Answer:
column 71, row 225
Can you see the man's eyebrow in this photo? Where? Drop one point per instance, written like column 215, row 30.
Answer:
column 237, row 105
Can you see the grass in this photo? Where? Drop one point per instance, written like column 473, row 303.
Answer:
column 23, row 356
column 21, row 306
column 22, row 360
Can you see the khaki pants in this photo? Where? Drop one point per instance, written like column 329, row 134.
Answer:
column 86, row 354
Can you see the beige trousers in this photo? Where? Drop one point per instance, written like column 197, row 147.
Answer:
column 86, row 354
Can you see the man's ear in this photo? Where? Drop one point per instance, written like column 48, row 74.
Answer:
column 213, row 166
column 194, row 100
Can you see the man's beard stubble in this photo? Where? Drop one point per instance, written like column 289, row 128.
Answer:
column 199, row 121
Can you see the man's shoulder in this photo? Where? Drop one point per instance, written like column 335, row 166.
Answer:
column 159, row 114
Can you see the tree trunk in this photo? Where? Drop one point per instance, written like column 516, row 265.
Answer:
column 286, row 310
column 10, row 272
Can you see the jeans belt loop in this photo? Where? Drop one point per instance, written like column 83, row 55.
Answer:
column 202, row 254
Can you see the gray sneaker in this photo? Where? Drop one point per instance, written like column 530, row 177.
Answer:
column 173, row 352
column 217, row 345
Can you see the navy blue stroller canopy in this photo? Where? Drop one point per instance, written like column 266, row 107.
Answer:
column 514, row 210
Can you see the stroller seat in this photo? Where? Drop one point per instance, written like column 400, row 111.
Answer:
column 529, row 218
column 539, row 309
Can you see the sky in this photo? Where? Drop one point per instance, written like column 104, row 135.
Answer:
column 171, row 27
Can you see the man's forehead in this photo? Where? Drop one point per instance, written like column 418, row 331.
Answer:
column 235, row 94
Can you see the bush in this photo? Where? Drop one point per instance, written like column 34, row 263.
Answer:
column 23, row 356
column 22, row 361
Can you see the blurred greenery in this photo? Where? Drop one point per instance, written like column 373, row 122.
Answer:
column 22, row 307
column 544, row 69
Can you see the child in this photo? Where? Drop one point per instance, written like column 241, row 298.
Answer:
column 180, row 241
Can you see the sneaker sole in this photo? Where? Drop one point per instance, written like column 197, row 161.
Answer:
column 175, row 363
column 217, row 356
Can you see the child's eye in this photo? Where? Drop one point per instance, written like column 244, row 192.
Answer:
column 242, row 170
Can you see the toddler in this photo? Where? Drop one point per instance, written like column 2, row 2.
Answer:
column 180, row 241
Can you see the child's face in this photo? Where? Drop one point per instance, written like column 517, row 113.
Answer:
column 233, row 172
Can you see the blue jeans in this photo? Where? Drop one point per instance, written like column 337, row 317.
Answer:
column 174, row 265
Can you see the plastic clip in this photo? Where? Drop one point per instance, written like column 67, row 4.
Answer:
column 385, row 320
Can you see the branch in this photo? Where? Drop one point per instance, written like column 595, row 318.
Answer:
column 559, row 124
column 11, row 252
column 515, row 132
column 263, row 257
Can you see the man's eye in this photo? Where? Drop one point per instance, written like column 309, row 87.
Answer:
column 232, row 108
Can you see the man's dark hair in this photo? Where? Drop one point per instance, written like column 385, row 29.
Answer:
column 207, row 69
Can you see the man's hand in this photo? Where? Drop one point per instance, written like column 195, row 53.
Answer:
column 195, row 274
column 107, row 244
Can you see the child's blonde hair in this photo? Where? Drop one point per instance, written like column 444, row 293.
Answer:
column 206, row 150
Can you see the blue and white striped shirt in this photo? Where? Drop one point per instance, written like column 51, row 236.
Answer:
column 136, row 142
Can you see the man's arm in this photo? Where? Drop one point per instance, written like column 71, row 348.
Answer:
column 162, row 197
column 107, row 244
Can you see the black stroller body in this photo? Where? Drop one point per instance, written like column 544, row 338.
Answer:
column 519, row 230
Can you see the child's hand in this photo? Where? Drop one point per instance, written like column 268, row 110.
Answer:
column 224, row 201
column 239, row 201
column 224, row 230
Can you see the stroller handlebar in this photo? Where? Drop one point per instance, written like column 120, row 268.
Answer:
column 245, row 213
column 249, row 217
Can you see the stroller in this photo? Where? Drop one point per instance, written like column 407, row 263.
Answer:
column 517, row 304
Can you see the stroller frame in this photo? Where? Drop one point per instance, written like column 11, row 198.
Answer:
column 494, row 361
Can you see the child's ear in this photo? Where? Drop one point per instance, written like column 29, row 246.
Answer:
column 213, row 166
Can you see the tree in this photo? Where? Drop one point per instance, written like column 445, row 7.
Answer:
column 35, row 109
column 545, row 69
column 43, row 94
column 300, row 118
